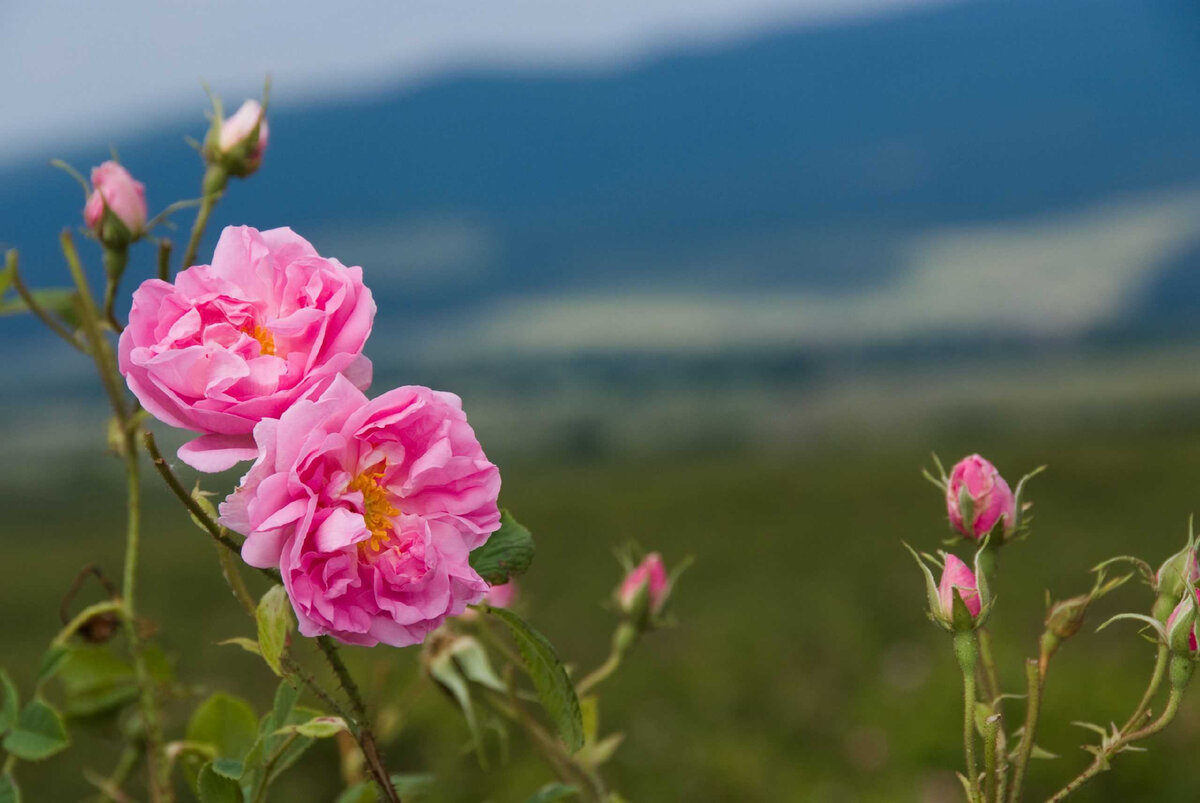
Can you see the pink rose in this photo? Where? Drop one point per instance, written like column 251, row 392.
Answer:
column 370, row 509
column 651, row 576
column 237, row 130
column 502, row 596
column 1180, row 610
column 269, row 322
column 125, row 198
column 991, row 499
column 956, row 575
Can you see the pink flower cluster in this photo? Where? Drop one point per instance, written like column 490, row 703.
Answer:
column 369, row 508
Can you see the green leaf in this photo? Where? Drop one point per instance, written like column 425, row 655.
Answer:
column 362, row 792
column 589, row 708
column 60, row 300
column 445, row 672
column 317, row 727
column 247, row 644
column 274, row 616
column 472, row 660
column 39, row 733
column 506, row 554
column 553, row 791
column 549, row 677
column 10, row 703
column 52, row 662
column 212, row 787
column 9, row 791
column 412, row 783
column 228, row 768
column 95, row 681
column 227, row 723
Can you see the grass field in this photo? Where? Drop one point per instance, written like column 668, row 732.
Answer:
column 803, row 667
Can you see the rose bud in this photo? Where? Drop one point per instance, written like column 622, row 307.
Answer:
column 241, row 139
column 977, row 498
column 1181, row 624
column 644, row 591
column 957, row 577
column 502, row 596
column 1176, row 574
column 116, row 207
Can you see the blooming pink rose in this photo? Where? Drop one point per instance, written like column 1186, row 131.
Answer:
column 956, row 574
column 269, row 322
column 370, row 509
column 990, row 497
column 236, row 128
column 651, row 575
column 1179, row 611
column 502, row 596
column 125, row 197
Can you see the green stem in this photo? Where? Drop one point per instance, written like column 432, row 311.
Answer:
column 291, row 667
column 82, row 618
column 1034, row 681
column 45, row 317
column 115, row 260
column 991, row 758
column 164, row 259
column 1160, row 669
column 991, row 678
column 1101, row 761
column 622, row 642
column 233, row 578
column 361, row 725
column 264, row 780
column 966, row 649
column 215, row 179
column 120, row 774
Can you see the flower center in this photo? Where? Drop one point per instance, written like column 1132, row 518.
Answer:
column 377, row 507
column 266, row 341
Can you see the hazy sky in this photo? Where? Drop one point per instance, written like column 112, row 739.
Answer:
column 73, row 71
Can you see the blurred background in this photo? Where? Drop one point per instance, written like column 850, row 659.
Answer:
column 716, row 276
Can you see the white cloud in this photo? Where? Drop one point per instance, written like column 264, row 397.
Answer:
column 83, row 70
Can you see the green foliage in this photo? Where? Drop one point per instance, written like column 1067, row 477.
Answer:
column 60, row 300
column 507, row 553
column 95, row 681
column 227, row 723
column 275, row 622
column 549, row 676
column 39, row 733
column 9, row 791
column 317, row 728
column 552, row 792
column 212, row 787
column 10, row 703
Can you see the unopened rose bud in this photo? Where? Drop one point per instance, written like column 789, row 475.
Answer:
column 1065, row 618
column 958, row 577
column 116, row 207
column 1181, row 624
column 1177, row 573
column 241, row 140
column 502, row 596
column 978, row 499
column 644, row 591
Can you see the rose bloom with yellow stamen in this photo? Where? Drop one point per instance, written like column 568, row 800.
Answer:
column 226, row 345
column 369, row 509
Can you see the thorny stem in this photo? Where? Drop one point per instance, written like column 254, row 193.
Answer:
column 291, row 667
column 11, row 260
column 1034, row 682
column 991, row 758
column 362, row 727
column 157, row 767
column 233, row 578
column 991, row 678
column 1101, row 761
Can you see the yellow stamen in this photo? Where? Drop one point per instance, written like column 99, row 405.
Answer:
column 266, row 341
column 377, row 508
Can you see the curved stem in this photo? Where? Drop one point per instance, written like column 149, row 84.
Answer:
column 215, row 178
column 1101, row 761
column 115, row 260
column 1034, row 680
column 81, row 618
column 1160, row 669
column 42, row 315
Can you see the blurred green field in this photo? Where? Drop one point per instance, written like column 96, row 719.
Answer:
column 803, row 667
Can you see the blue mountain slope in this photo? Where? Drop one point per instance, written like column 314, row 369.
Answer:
column 796, row 155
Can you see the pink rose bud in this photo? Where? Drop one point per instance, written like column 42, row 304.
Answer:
column 645, row 585
column 242, row 139
column 370, row 510
column 956, row 575
column 125, row 199
column 1181, row 610
column 977, row 498
column 502, row 596
column 230, row 344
